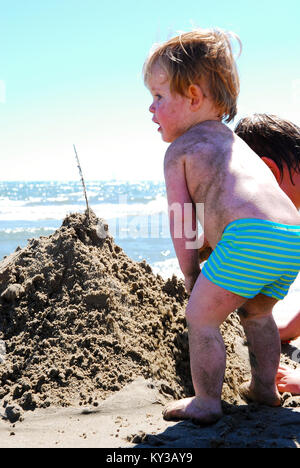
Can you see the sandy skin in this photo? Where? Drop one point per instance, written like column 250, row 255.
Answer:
column 269, row 398
column 210, row 412
column 205, row 341
column 193, row 408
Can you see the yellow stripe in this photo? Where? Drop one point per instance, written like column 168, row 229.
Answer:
column 241, row 268
column 287, row 280
column 239, row 274
column 267, row 225
column 233, row 267
column 269, row 260
column 233, row 280
column 273, row 294
column 269, row 247
column 279, row 287
column 258, row 264
column 270, row 232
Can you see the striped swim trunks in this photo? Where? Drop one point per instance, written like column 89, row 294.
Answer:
column 255, row 256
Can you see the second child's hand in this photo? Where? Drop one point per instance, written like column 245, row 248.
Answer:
column 189, row 282
column 204, row 252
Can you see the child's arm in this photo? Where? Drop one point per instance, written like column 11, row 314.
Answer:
column 182, row 217
column 291, row 330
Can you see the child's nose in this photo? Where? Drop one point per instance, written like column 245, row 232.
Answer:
column 151, row 108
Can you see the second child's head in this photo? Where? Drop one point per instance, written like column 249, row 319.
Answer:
column 192, row 78
column 277, row 142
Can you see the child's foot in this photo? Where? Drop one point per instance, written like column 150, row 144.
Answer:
column 264, row 397
column 288, row 380
column 191, row 408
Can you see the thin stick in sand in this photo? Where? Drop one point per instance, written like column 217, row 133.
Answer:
column 83, row 184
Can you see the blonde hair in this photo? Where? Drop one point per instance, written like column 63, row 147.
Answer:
column 200, row 56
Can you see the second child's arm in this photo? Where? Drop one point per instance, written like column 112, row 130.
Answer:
column 182, row 218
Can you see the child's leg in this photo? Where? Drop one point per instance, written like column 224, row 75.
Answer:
column 264, row 349
column 208, row 307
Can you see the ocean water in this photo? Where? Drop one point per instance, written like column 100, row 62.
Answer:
column 137, row 215
column 135, row 212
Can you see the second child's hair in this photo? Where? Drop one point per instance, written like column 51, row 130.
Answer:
column 197, row 57
column 275, row 138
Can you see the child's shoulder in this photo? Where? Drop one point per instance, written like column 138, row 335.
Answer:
column 203, row 139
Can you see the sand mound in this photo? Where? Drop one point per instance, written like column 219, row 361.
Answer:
column 79, row 320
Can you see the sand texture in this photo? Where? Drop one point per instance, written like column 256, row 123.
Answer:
column 84, row 326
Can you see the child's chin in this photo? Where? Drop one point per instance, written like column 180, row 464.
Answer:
column 166, row 139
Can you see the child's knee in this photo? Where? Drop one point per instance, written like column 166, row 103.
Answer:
column 250, row 313
column 200, row 317
column 247, row 316
column 193, row 315
column 258, row 307
column 243, row 313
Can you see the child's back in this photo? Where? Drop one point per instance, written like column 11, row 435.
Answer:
column 222, row 172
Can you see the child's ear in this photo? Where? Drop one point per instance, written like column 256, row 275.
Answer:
column 273, row 166
column 196, row 96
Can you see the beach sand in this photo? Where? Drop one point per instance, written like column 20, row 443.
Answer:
column 96, row 345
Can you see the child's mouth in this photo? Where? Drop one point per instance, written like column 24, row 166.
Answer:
column 155, row 121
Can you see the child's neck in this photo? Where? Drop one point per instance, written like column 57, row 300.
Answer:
column 206, row 112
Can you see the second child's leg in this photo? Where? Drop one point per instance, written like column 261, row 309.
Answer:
column 208, row 307
column 264, row 349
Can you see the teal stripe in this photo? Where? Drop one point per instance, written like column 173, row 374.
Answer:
column 238, row 223
column 276, row 237
column 268, row 246
column 234, row 260
column 270, row 293
column 269, row 260
column 247, row 275
column 261, row 265
column 220, row 283
column 235, row 280
column 283, row 241
column 276, row 290
column 256, row 256
column 279, row 234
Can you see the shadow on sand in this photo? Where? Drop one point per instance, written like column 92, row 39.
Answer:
column 244, row 426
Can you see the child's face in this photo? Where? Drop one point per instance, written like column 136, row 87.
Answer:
column 290, row 187
column 170, row 111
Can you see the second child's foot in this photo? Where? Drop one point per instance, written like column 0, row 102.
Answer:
column 265, row 397
column 288, row 380
column 191, row 408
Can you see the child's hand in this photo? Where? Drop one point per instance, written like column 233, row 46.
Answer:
column 189, row 282
column 204, row 252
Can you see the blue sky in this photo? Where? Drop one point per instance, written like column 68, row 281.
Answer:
column 70, row 73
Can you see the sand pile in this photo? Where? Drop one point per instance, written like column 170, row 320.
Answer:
column 79, row 320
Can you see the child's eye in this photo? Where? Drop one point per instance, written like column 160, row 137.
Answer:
column 158, row 96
